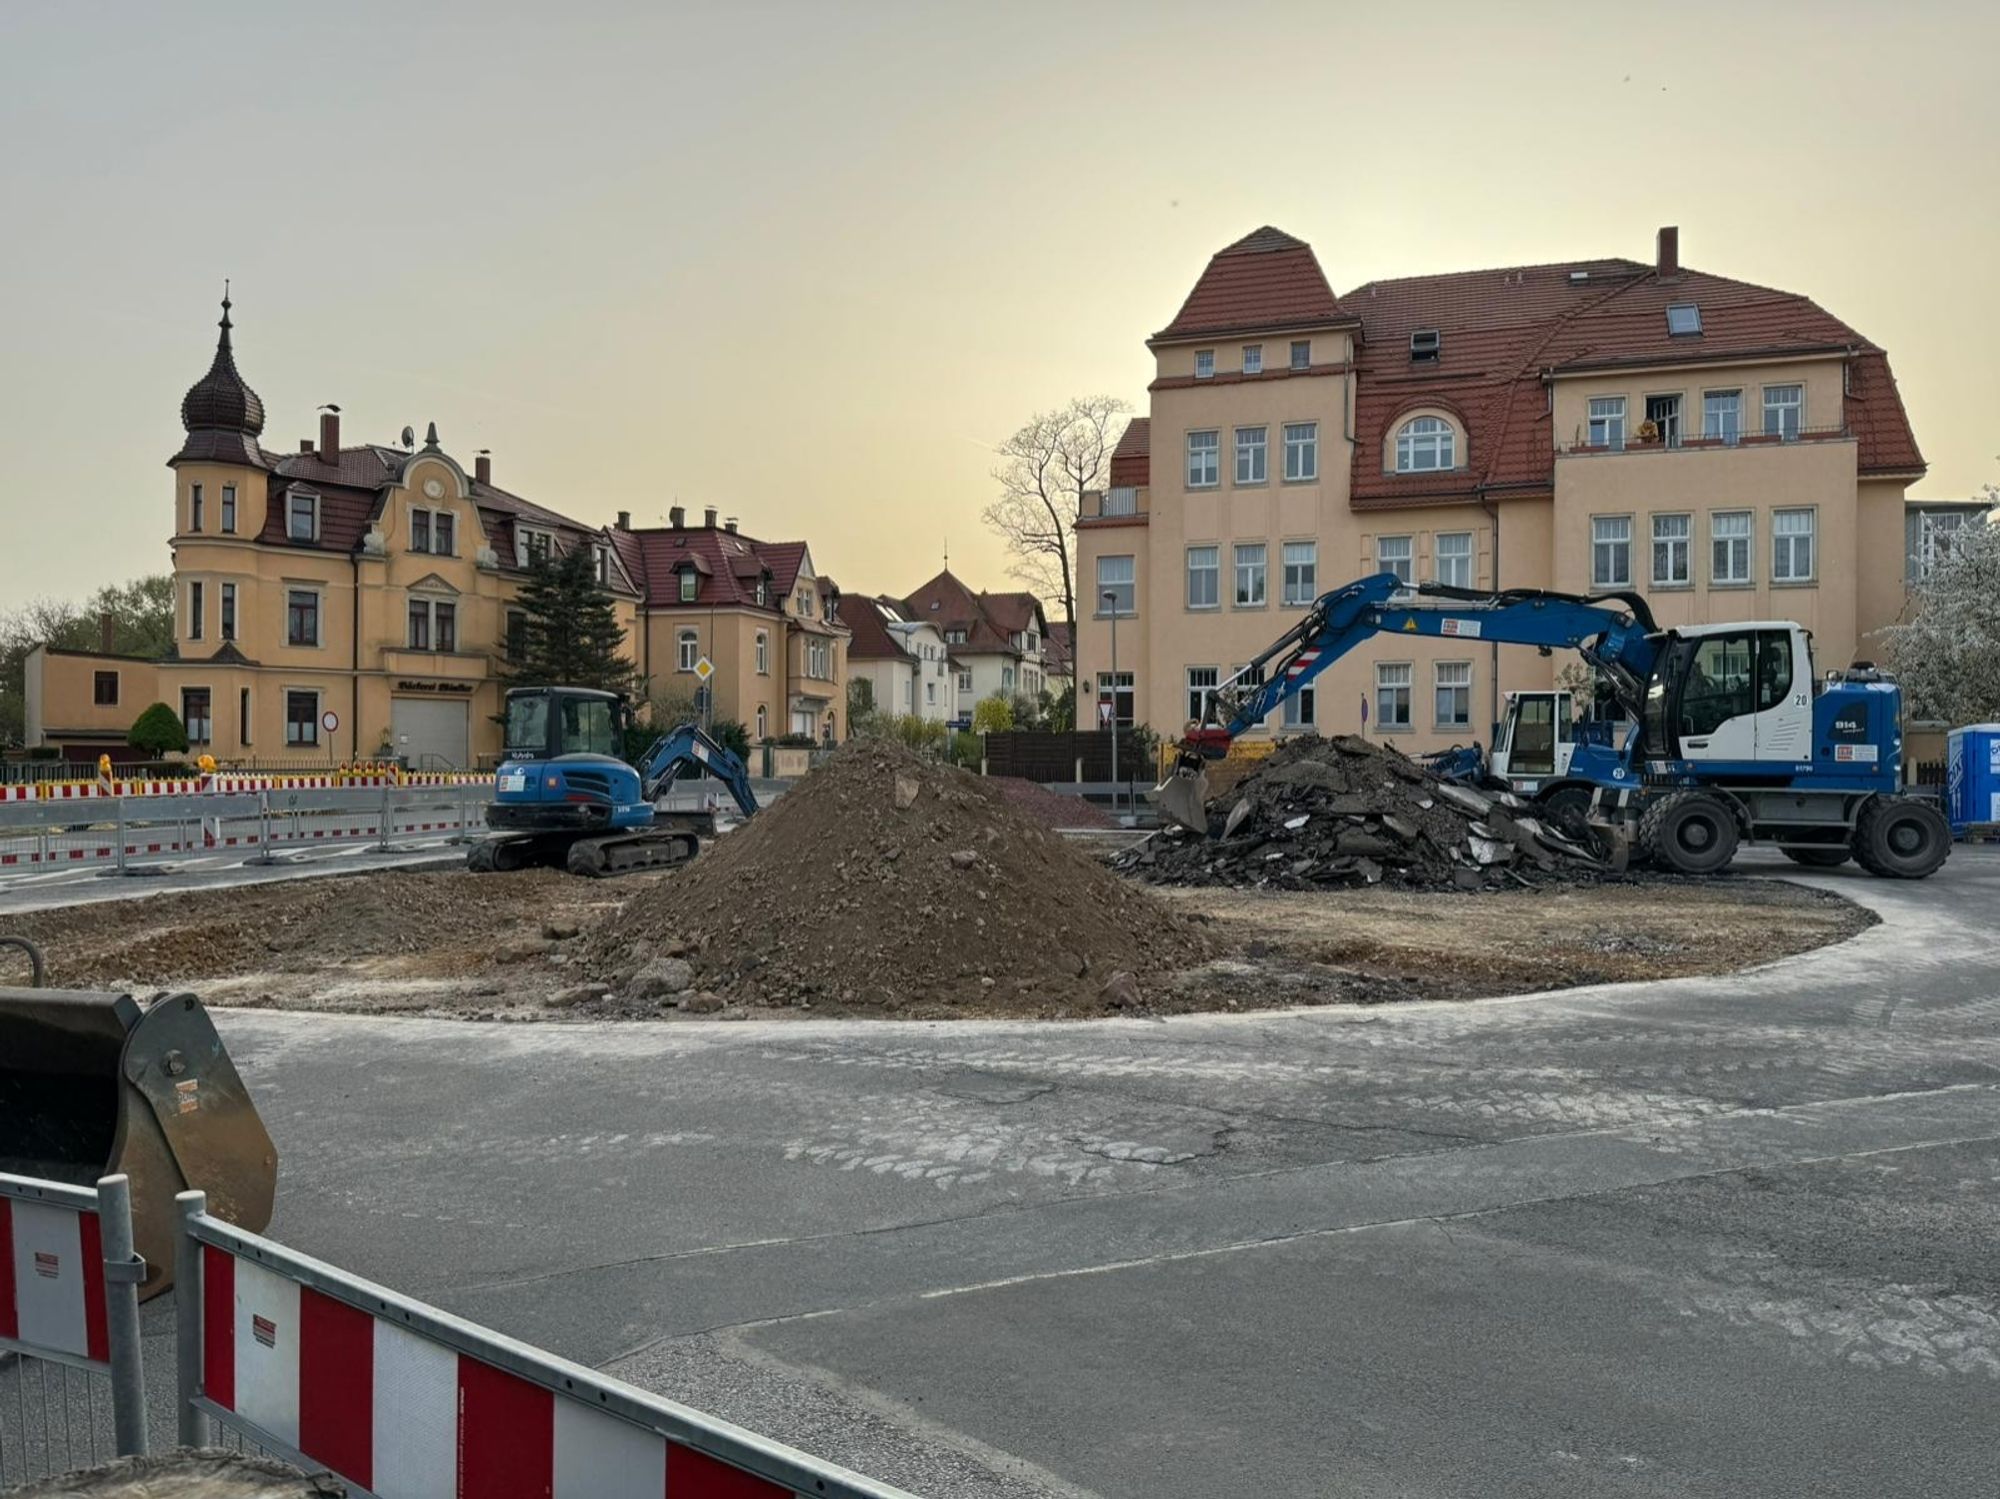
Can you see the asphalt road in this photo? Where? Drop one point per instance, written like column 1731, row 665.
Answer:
column 1705, row 1237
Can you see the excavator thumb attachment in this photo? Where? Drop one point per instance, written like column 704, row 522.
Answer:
column 97, row 1083
column 1183, row 796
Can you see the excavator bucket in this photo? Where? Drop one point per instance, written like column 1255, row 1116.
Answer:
column 97, row 1083
column 1183, row 798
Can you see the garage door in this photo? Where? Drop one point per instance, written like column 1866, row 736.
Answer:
column 429, row 733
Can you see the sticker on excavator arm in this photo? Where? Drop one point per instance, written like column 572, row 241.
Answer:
column 1466, row 627
column 1859, row 753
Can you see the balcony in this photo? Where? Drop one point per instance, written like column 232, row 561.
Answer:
column 1691, row 443
column 1122, row 504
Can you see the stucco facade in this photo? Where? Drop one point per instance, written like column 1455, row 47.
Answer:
column 1549, row 427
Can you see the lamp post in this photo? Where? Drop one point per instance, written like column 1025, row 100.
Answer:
column 1111, row 607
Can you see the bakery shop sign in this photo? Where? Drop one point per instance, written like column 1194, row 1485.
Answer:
column 444, row 687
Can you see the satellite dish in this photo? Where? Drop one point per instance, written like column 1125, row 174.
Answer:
column 409, row 437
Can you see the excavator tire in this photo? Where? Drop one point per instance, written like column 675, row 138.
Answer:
column 1568, row 811
column 1818, row 858
column 1690, row 832
column 1901, row 838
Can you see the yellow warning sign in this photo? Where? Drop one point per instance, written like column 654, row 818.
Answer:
column 1410, row 625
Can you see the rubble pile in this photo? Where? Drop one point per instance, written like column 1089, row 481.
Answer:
column 1345, row 812
column 884, row 882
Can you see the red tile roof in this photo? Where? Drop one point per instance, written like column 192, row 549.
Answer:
column 1057, row 652
column 989, row 620
column 870, row 639
column 1266, row 280
column 727, row 566
column 1131, row 460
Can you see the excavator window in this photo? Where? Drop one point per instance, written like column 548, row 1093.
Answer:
column 1774, row 667
column 589, row 727
column 528, row 724
column 1534, row 748
column 1720, row 684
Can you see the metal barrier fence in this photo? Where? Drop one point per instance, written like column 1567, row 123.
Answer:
column 403, row 1401
column 118, row 832
column 69, row 1327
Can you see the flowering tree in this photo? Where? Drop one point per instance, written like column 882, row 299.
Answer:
column 1947, row 656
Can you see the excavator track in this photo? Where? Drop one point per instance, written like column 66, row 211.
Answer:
column 630, row 853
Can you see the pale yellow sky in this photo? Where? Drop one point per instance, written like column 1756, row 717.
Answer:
column 808, row 262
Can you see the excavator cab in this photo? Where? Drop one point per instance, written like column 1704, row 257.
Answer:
column 97, row 1083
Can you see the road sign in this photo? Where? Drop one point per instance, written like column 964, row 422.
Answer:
column 704, row 668
column 1104, row 712
column 329, row 720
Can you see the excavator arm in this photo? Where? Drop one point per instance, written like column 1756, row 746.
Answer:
column 689, row 745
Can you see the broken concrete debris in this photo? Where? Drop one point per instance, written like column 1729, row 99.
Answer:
column 1346, row 812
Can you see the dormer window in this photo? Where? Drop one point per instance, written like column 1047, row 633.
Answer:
column 1253, row 359
column 690, row 584
column 1204, row 364
column 764, row 590
column 1684, row 320
column 1425, row 346
column 601, row 556
column 531, row 546
column 302, row 515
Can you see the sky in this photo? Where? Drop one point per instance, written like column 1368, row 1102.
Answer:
column 809, row 263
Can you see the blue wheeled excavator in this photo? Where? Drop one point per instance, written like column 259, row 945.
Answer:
column 563, row 796
column 1730, row 736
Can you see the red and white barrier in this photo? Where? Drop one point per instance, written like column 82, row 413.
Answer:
column 230, row 785
column 52, row 1280
column 406, row 1417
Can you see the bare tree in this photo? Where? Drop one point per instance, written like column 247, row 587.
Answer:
column 1043, row 473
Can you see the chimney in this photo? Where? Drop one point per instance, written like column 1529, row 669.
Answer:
column 482, row 466
column 1669, row 256
column 676, row 517
column 624, row 520
column 729, row 525
column 306, row 446
column 107, row 633
column 708, row 517
column 329, row 437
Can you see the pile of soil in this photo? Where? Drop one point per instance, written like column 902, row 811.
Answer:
column 883, row 882
column 1052, row 809
column 1347, row 812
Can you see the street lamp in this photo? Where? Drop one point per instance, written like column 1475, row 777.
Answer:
column 1110, row 597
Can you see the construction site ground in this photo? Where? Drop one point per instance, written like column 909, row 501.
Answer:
column 445, row 943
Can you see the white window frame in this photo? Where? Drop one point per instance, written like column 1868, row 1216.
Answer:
column 1253, row 359
column 1212, row 571
column 1120, row 499
column 1302, row 353
column 294, row 498
column 763, row 647
column 1426, row 445
column 1252, row 576
column 763, row 722
column 1121, row 686
column 1391, row 679
column 1606, row 547
column 1204, row 364
column 687, row 584
column 965, row 681
column 1127, row 588
column 1300, row 560
column 1672, row 429
column 1681, row 543
column 1606, row 423
column 1300, row 710
column 1791, row 403
column 1713, row 427
column 1454, row 576
column 1204, row 458
column 1301, row 452
column 1787, row 545
column 1253, row 446
column 530, row 539
column 1454, row 677
column 687, row 649
column 600, row 560
column 1398, row 555
column 1730, row 576
column 1198, row 691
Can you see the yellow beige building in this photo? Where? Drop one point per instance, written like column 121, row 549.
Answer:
column 1728, row 450
column 337, row 603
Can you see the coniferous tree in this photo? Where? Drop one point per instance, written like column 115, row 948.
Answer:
column 570, row 636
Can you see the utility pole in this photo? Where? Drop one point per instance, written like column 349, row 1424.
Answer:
column 1111, row 607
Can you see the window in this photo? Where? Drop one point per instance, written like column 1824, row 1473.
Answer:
column 194, row 715
column 1301, row 709
column 763, row 720
column 1204, row 569
column 517, row 634
column 1253, row 359
column 301, row 516
column 228, row 611
column 1611, row 551
column 420, row 530
column 763, row 653
column 1426, row 344
column 196, row 609
column 1392, row 694
column 1664, row 412
column 1683, row 319
column 445, row 626
column 1115, row 577
column 1729, row 537
column 1200, row 683
column 1204, row 363
column 803, row 602
column 1250, row 569
column 301, row 617
column 104, row 689
column 1722, row 415
column 965, row 681
column 1927, row 540
column 1250, row 445
column 301, row 717
column 764, row 590
column 1424, row 445
column 442, row 541
column 1120, row 499
column 243, row 715
column 195, row 507
column 1454, row 694
column 1301, row 560
column 1301, row 451
column 1792, row 546
column 690, row 584
column 1203, row 462
column 1671, row 535
column 1607, row 422
column 531, row 547
column 955, row 637
column 1719, row 685
column 1394, row 554
column 819, row 659
column 687, row 647
column 229, row 509
column 930, row 694
column 1784, row 406
column 1118, row 691
column 1454, row 558
column 601, row 556
column 1774, row 667
column 1031, row 641
column 1302, row 353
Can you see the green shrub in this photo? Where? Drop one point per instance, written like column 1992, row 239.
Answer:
column 992, row 715
column 158, row 731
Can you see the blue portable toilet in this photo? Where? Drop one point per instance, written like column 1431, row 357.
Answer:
column 1972, row 776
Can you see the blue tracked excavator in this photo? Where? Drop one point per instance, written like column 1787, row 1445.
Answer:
column 1731, row 737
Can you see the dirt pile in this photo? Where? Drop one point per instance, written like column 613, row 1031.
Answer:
column 882, row 882
column 1345, row 812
